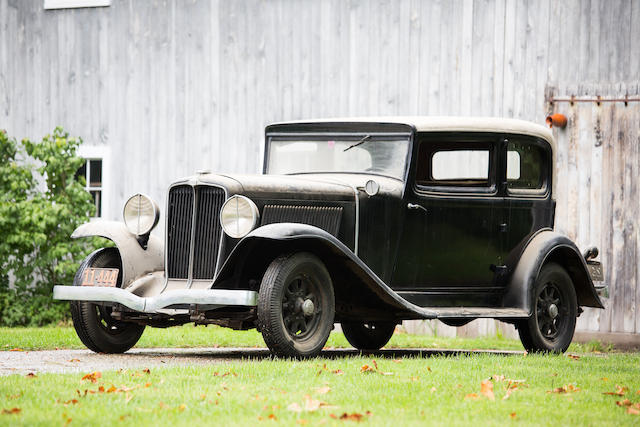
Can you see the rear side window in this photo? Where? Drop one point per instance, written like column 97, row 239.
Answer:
column 526, row 167
column 455, row 166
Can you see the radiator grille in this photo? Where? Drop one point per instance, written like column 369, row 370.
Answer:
column 324, row 217
column 180, row 216
column 208, row 232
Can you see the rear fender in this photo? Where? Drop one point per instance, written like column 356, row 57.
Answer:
column 136, row 261
column 549, row 246
column 356, row 286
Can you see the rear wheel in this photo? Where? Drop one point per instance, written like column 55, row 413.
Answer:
column 369, row 335
column 93, row 322
column 296, row 305
column 552, row 323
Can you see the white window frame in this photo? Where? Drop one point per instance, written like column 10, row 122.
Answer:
column 73, row 4
column 93, row 152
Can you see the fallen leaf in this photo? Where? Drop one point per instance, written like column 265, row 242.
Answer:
column 355, row 416
column 11, row 411
column 147, row 371
column 101, row 389
column 569, row 388
column 182, row 407
column 397, row 361
column 74, row 360
column 414, row 379
column 272, row 417
column 429, row 368
column 93, row 376
column 498, row 378
column 294, row 407
column 337, row 372
column 633, row 411
column 513, row 415
column 311, row 404
column 604, row 379
column 323, row 390
column 16, row 349
column 123, row 417
column 471, row 396
column 573, row 356
column 366, row 369
column 486, row 388
column 112, row 389
column 625, row 402
column 620, row 391
column 31, row 375
column 302, row 421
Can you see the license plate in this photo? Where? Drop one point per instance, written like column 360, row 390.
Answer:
column 595, row 270
column 100, row 277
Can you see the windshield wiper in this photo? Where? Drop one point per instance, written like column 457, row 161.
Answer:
column 362, row 141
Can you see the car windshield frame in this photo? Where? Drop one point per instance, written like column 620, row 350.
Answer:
column 355, row 140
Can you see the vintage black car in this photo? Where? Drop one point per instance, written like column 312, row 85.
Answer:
column 360, row 222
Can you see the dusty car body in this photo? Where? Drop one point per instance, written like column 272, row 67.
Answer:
column 363, row 222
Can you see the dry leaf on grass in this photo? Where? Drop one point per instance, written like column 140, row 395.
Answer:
column 323, row 390
column 16, row 349
column 93, row 377
column 31, row 375
column 11, row 411
column 373, row 369
column 620, row 391
column 354, row 416
column 74, row 360
column 512, row 415
column 573, row 356
column 633, row 411
column 569, row 388
column 471, row 396
column 625, row 402
column 486, row 388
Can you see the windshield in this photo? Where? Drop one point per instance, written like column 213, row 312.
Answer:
column 382, row 155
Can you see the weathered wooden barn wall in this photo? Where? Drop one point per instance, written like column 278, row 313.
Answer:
column 169, row 87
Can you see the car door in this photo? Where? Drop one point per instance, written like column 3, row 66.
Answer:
column 450, row 247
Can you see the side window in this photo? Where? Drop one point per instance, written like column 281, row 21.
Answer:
column 455, row 166
column 91, row 171
column 526, row 167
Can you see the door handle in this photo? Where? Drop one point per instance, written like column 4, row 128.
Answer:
column 413, row 206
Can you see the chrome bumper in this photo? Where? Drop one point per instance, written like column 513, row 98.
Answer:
column 211, row 298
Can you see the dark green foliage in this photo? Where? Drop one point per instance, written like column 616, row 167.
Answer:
column 41, row 203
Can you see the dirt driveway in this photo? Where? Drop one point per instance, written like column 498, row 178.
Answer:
column 23, row 362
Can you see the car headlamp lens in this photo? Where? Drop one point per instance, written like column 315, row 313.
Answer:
column 140, row 214
column 238, row 216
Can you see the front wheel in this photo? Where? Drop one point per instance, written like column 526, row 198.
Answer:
column 368, row 336
column 553, row 321
column 93, row 322
column 296, row 305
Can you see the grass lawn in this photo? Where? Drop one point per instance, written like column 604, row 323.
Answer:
column 49, row 338
column 545, row 390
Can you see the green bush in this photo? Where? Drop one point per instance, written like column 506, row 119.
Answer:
column 41, row 203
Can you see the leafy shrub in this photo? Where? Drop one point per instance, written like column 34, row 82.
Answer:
column 41, row 203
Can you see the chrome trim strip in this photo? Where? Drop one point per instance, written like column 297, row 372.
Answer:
column 215, row 297
column 192, row 245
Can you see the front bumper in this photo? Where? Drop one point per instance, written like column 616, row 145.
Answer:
column 182, row 298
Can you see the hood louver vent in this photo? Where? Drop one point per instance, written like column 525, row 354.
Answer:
column 325, row 217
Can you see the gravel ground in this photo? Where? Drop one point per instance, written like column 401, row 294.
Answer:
column 69, row 361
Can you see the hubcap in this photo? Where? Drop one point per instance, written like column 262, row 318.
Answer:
column 550, row 311
column 300, row 307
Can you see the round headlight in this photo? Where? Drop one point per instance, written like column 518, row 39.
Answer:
column 140, row 214
column 238, row 216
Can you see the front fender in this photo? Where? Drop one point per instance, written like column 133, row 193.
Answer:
column 136, row 261
column 549, row 246
column 265, row 243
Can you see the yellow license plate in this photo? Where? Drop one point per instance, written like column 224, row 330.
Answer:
column 100, row 277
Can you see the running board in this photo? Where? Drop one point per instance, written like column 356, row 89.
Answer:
column 212, row 298
column 479, row 312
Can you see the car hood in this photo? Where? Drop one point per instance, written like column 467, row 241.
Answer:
column 300, row 187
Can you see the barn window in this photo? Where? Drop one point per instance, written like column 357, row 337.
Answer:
column 91, row 171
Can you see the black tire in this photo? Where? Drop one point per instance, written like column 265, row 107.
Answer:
column 550, row 329
column 291, row 326
column 93, row 323
column 368, row 335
